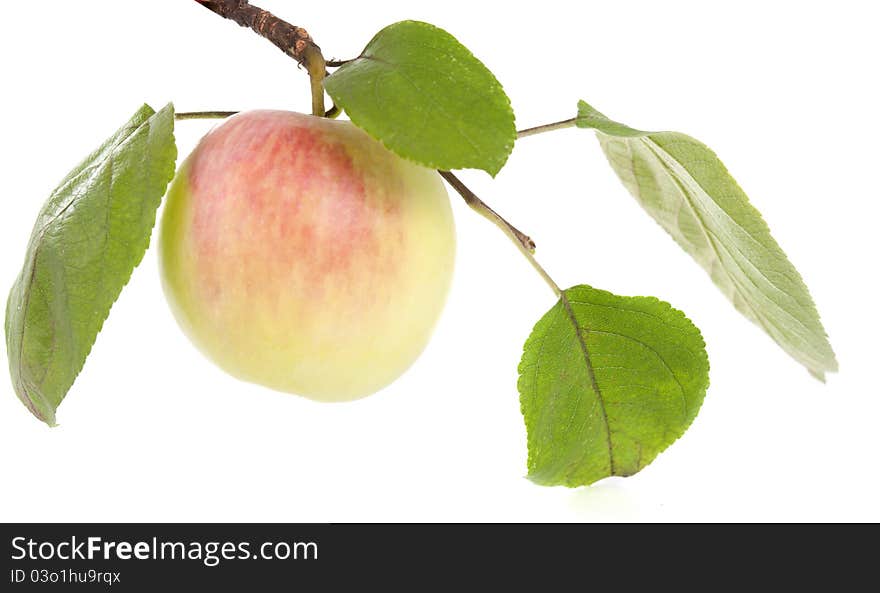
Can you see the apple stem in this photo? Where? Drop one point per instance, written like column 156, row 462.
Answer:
column 523, row 242
column 317, row 69
column 559, row 125
column 292, row 40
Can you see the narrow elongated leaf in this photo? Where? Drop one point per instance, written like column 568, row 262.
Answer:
column 426, row 97
column 686, row 188
column 89, row 236
column 606, row 383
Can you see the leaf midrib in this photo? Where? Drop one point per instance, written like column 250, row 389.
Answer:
column 766, row 324
column 653, row 149
column 591, row 373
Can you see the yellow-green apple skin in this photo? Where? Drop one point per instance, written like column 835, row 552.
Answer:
column 298, row 253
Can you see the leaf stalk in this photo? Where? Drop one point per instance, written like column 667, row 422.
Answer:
column 204, row 115
column 523, row 242
column 559, row 125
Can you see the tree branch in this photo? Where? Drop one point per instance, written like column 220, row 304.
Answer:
column 292, row 40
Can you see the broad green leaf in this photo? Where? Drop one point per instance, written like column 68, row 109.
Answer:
column 89, row 236
column 427, row 98
column 686, row 188
column 606, row 383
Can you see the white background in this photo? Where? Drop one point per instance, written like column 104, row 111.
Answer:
column 785, row 92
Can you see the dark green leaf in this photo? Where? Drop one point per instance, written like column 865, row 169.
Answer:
column 427, row 98
column 89, row 236
column 606, row 383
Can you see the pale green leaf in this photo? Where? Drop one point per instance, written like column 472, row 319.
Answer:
column 89, row 236
column 427, row 98
column 606, row 383
column 686, row 188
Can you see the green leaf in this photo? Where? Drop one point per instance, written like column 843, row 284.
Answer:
column 89, row 236
column 427, row 98
column 606, row 383
column 686, row 188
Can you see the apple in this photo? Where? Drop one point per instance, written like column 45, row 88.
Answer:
column 299, row 253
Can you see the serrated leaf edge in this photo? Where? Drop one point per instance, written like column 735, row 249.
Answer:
column 354, row 118
column 46, row 411
column 702, row 389
column 583, row 121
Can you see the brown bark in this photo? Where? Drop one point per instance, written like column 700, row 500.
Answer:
column 292, row 40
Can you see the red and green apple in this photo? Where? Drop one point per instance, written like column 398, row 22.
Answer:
column 299, row 253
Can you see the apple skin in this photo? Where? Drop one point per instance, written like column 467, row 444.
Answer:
column 299, row 253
